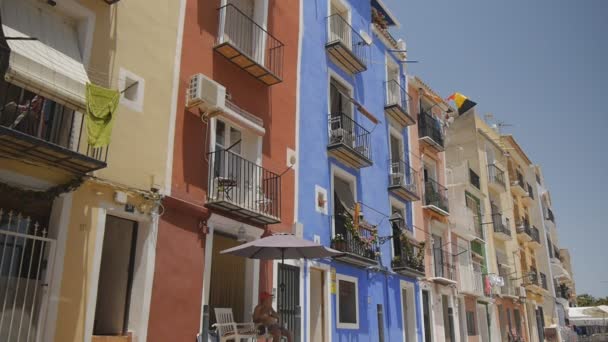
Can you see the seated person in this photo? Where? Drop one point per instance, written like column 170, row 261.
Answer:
column 265, row 316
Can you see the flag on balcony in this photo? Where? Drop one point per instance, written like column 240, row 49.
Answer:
column 101, row 104
column 462, row 102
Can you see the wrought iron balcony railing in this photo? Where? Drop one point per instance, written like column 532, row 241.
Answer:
column 543, row 281
column 496, row 175
column 351, row 141
column 436, row 195
column 533, row 278
column 248, row 45
column 474, row 179
column 523, row 227
column 346, row 241
column 243, row 188
column 396, row 104
column 430, row 128
column 500, row 226
column 535, row 233
column 409, row 258
column 346, row 46
column 41, row 130
column 403, row 179
column 550, row 216
column 443, row 264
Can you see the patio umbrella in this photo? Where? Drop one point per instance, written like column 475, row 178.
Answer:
column 281, row 246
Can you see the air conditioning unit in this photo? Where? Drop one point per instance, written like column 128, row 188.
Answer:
column 205, row 93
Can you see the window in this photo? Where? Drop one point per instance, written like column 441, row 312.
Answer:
column 132, row 87
column 471, row 328
column 517, row 321
column 348, row 302
column 339, row 98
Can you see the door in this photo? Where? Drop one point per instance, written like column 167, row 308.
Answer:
column 115, row 277
column 227, row 289
column 482, row 323
column 448, row 319
column 540, row 323
column 317, row 306
column 339, row 28
column 393, row 85
column 289, row 298
column 438, row 255
column 241, row 29
column 25, row 255
column 426, row 312
column 342, row 127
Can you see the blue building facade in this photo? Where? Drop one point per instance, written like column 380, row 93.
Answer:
column 352, row 70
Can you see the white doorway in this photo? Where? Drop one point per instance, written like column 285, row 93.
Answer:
column 408, row 307
column 318, row 305
column 482, row 323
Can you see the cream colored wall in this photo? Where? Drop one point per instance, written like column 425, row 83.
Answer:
column 139, row 36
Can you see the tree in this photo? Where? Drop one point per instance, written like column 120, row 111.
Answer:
column 585, row 300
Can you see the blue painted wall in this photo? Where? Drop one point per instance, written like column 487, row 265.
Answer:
column 372, row 182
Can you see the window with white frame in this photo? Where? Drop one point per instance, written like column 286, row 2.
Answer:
column 347, row 302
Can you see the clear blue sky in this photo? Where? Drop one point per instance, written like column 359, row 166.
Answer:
column 541, row 66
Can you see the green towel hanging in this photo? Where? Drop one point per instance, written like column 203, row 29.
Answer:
column 101, row 111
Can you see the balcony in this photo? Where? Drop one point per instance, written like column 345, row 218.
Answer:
column 471, row 279
column 444, row 267
column 474, row 179
column 435, row 197
column 249, row 46
column 396, row 104
column 349, row 142
column 524, row 232
column 409, row 260
column 345, row 46
column 359, row 250
column 543, row 281
column 38, row 130
column 549, row 215
column 496, row 178
column 518, row 186
column 502, row 229
column 533, row 281
column 535, row 241
column 529, row 197
column 430, row 132
column 243, row 188
column 403, row 180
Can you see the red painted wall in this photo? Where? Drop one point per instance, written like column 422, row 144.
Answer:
column 176, row 295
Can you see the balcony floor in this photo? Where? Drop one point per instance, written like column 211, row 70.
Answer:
column 502, row 236
column 400, row 115
column 348, row 155
column 437, row 147
column 242, row 212
column 344, row 57
column 356, row 260
column 442, row 280
column 243, row 61
column 408, row 271
column 16, row 144
column 436, row 209
column 404, row 193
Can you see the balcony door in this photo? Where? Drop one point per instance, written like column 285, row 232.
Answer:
column 438, row 255
column 394, row 81
column 342, row 123
column 398, row 170
column 243, row 27
column 339, row 23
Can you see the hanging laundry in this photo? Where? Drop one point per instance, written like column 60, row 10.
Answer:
column 101, row 110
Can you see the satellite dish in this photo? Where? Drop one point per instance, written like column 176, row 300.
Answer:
column 366, row 38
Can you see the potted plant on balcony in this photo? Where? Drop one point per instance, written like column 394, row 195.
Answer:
column 338, row 242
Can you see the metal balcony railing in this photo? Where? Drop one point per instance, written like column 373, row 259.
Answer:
column 430, row 127
column 396, row 94
column 496, row 175
column 435, row 194
column 349, row 243
column 343, row 35
column 410, row 256
column 474, row 179
column 499, row 225
column 46, row 131
column 471, row 278
column 344, row 130
column 530, row 190
column 443, row 263
column 523, row 226
column 533, row 277
column 251, row 41
column 244, row 188
column 543, row 281
column 535, row 234
column 403, row 175
column 550, row 216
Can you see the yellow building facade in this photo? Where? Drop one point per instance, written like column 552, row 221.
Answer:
column 78, row 223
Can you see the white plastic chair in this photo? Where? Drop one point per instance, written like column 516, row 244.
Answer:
column 229, row 330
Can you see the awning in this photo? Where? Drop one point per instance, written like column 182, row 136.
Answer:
column 559, row 271
column 45, row 57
